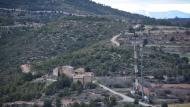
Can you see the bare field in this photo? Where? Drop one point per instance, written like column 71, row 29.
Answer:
column 179, row 105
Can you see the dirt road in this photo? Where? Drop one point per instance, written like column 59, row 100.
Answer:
column 114, row 40
column 123, row 96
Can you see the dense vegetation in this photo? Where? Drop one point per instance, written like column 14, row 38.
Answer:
column 72, row 6
column 180, row 22
column 21, row 45
column 107, row 104
column 101, row 58
column 27, row 45
column 104, row 59
column 168, row 64
column 20, row 88
column 84, row 7
column 25, row 89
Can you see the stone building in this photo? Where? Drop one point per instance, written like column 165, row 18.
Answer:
column 84, row 78
column 64, row 70
column 77, row 75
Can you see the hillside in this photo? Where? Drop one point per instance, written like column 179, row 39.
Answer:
column 19, row 45
column 48, row 10
column 85, row 7
column 169, row 14
column 35, row 32
column 28, row 45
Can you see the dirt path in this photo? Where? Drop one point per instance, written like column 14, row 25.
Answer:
column 114, row 40
column 125, row 98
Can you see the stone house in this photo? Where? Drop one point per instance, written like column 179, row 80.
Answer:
column 84, row 78
column 77, row 75
column 64, row 70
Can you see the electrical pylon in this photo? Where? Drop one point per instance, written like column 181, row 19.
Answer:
column 142, row 75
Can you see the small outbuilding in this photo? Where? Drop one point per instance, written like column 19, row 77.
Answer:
column 25, row 68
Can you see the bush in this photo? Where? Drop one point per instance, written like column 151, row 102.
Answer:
column 51, row 89
column 63, row 82
column 136, row 101
column 91, row 85
column 164, row 105
column 66, row 92
column 167, row 92
column 110, row 101
column 172, row 39
column 47, row 103
column 77, row 86
column 58, row 102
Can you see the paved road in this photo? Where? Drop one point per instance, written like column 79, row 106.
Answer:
column 114, row 40
column 123, row 96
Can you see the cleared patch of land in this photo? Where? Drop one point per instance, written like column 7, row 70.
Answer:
column 180, row 105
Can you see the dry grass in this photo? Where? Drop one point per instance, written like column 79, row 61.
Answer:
column 180, row 86
column 179, row 105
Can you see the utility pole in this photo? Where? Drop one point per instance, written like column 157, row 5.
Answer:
column 136, row 67
column 136, row 83
column 142, row 78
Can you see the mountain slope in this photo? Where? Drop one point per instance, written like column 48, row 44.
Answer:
column 76, row 7
column 65, row 35
column 67, row 40
column 72, row 6
column 169, row 14
column 28, row 45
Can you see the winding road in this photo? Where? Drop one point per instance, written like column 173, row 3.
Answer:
column 114, row 40
column 123, row 96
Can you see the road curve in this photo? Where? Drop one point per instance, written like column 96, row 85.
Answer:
column 114, row 40
column 123, row 96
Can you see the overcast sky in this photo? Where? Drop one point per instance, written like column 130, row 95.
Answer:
column 148, row 5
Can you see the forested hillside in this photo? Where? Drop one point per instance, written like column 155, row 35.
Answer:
column 73, row 6
column 69, row 34
column 80, row 38
column 82, row 7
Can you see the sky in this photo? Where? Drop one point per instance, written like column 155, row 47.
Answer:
column 136, row 6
